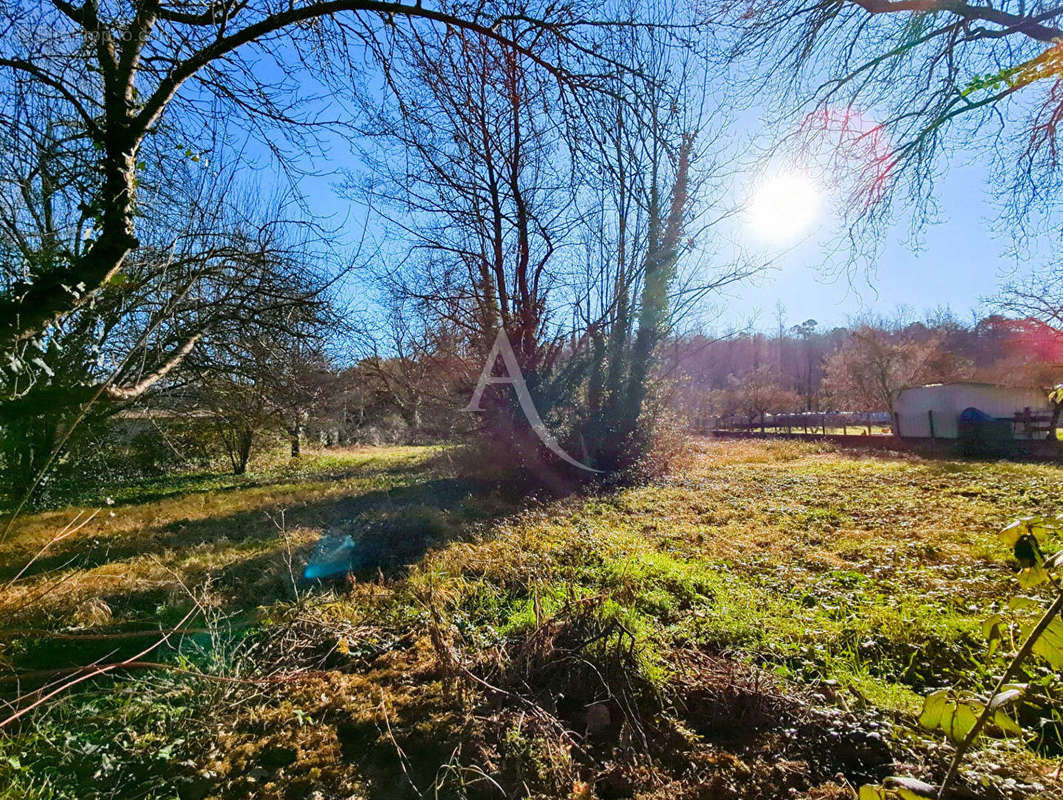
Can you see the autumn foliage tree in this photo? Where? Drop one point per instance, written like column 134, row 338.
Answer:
column 758, row 392
column 866, row 373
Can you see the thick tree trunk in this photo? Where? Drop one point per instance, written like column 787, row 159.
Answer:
column 28, row 309
column 662, row 254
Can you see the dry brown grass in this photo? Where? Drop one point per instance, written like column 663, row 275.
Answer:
column 762, row 587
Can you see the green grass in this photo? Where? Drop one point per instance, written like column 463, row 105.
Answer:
column 868, row 574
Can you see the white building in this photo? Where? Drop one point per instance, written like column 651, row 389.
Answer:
column 940, row 404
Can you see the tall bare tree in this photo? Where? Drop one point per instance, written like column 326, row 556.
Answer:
column 474, row 170
column 563, row 225
column 655, row 172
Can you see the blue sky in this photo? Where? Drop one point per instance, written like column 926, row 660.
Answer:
column 956, row 263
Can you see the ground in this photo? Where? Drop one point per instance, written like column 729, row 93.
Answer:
column 762, row 622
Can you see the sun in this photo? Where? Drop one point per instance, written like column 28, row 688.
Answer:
column 784, row 206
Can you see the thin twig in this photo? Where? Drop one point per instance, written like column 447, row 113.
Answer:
column 92, row 674
column 1009, row 673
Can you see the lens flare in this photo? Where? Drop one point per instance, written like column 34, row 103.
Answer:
column 784, row 206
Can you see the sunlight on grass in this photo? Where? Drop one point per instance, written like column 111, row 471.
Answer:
column 863, row 579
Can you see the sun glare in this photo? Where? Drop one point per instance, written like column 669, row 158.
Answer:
column 784, row 206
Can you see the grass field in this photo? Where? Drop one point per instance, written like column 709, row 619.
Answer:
column 762, row 623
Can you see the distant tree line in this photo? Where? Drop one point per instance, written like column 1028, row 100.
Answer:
column 856, row 368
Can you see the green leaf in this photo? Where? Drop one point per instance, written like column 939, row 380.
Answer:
column 933, row 709
column 963, row 717
column 1006, row 724
column 954, row 716
column 872, row 793
column 14, row 762
column 1011, row 533
column 1032, row 576
column 1020, row 603
column 1049, row 644
column 993, row 631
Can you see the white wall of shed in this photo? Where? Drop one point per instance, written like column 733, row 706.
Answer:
column 948, row 401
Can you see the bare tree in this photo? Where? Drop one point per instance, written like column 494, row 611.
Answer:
column 266, row 379
column 131, row 79
column 1038, row 296
column 655, row 166
column 297, row 387
column 566, row 226
column 417, row 364
column 474, row 171
column 214, row 259
column 1038, row 300
column 889, row 86
column 806, row 332
column 481, row 186
column 759, row 392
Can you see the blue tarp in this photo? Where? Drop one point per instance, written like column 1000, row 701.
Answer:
column 333, row 556
column 974, row 415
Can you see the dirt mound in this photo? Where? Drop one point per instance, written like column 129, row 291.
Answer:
column 573, row 710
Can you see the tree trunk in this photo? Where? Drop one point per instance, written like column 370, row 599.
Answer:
column 243, row 452
column 1056, row 409
column 295, row 436
column 661, row 256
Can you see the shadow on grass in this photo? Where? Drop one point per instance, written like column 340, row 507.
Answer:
column 402, row 519
column 140, row 491
column 247, row 560
column 393, row 528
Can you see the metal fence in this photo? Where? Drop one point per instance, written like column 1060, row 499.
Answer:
column 868, row 423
